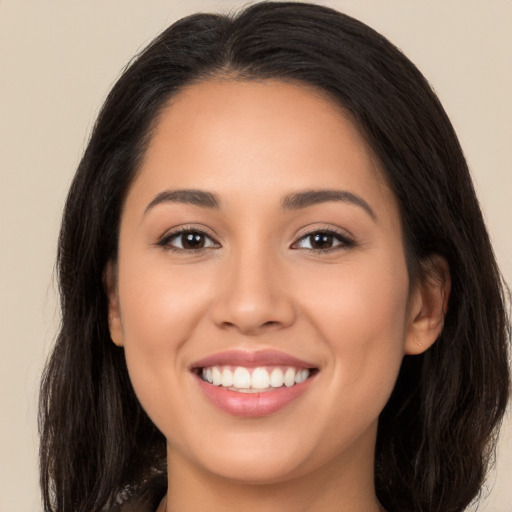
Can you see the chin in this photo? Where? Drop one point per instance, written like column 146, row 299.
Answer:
column 257, row 470
column 257, row 458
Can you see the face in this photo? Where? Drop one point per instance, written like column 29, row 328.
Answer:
column 261, row 292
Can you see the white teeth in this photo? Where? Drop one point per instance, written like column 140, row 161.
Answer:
column 227, row 378
column 241, row 379
column 216, row 376
column 276, row 378
column 260, row 378
column 289, row 377
column 301, row 376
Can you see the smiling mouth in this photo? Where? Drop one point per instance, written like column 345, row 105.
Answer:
column 254, row 380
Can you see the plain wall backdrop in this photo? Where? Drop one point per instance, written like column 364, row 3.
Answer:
column 59, row 58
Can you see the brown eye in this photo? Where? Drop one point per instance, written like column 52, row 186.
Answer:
column 188, row 240
column 323, row 241
column 192, row 240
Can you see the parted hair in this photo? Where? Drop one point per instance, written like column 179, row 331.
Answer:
column 438, row 431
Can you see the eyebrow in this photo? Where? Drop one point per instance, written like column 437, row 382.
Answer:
column 294, row 201
column 187, row 196
column 307, row 198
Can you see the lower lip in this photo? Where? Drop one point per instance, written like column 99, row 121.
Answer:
column 251, row 405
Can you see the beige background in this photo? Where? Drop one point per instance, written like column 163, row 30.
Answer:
column 57, row 61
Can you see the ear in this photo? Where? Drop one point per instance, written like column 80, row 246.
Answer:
column 114, row 313
column 428, row 305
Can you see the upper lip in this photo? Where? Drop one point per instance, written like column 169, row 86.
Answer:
column 251, row 359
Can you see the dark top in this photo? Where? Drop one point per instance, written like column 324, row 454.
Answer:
column 147, row 499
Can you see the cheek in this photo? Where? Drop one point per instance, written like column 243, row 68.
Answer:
column 160, row 303
column 160, row 307
column 361, row 313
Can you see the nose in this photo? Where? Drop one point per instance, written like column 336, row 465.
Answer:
column 254, row 297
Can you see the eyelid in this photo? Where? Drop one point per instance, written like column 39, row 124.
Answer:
column 165, row 239
column 345, row 238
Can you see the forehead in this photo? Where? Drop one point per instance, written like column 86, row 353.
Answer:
column 268, row 117
column 257, row 138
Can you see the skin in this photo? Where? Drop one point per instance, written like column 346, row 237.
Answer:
column 258, row 284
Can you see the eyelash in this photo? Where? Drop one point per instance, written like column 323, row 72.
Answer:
column 345, row 241
column 166, row 241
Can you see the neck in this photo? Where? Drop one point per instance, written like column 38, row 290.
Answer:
column 346, row 486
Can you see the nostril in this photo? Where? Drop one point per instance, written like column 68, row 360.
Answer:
column 251, row 328
column 228, row 325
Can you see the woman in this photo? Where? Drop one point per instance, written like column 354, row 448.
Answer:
column 272, row 268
